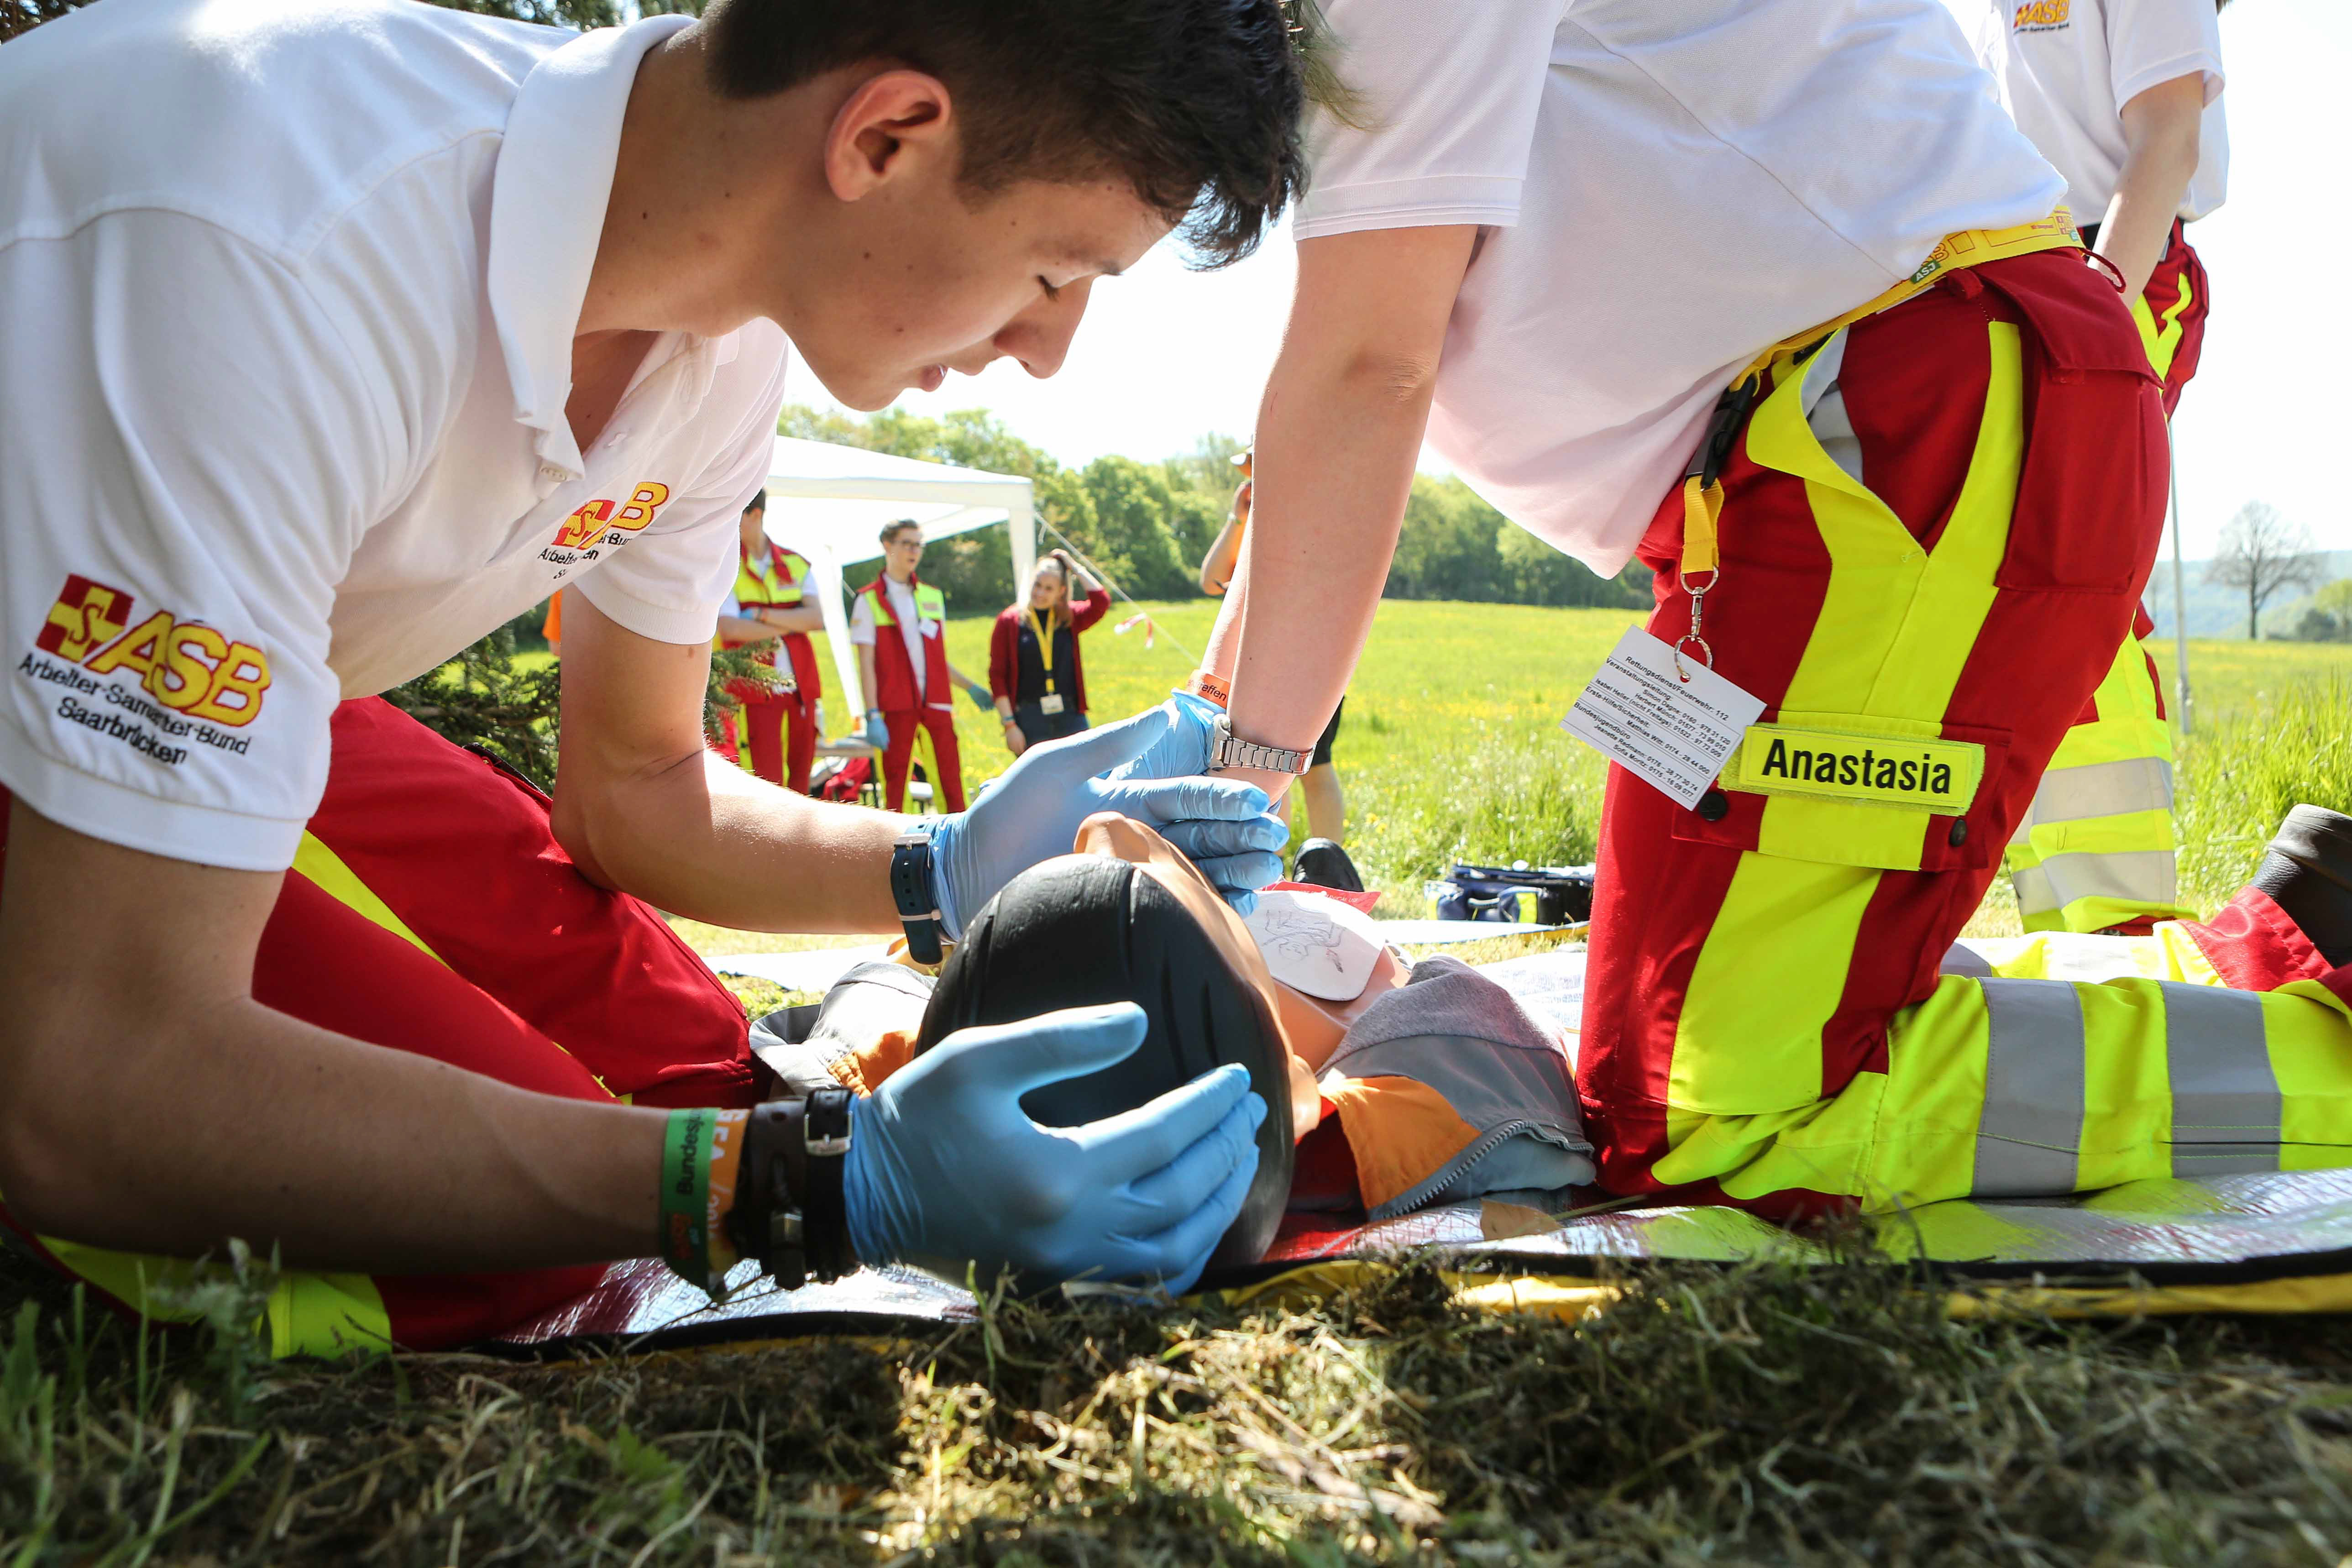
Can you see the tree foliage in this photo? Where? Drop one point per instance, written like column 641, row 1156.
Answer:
column 1145, row 525
column 2326, row 614
column 1454, row 546
column 484, row 700
column 2261, row 553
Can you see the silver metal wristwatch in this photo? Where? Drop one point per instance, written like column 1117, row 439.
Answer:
column 1228, row 751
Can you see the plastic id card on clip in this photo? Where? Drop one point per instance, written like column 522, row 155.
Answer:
column 1672, row 728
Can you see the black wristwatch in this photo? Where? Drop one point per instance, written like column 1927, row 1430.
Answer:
column 790, row 1213
column 915, row 894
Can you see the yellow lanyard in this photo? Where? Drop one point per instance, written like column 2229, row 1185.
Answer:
column 1044, row 647
column 1703, row 491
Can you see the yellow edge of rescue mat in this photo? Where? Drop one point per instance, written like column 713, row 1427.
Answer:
column 1573, row 1299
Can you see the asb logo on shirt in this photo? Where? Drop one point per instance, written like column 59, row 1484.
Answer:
column 196, row 676
column 603, row 525
column 2041, row 16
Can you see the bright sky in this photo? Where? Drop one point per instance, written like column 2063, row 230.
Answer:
column 1166, row 354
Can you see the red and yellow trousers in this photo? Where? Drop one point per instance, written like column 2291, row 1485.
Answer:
column 1766, row 1020
column 2095, row 850
column 429, row 909
column 776, row 738
column 943, row 762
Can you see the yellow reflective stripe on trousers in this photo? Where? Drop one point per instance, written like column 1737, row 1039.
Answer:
column 2161, row 342
column 2103, row 789
column 2090, row 1086
column 1893, row 632
column 2095, row 847
column 324, row 868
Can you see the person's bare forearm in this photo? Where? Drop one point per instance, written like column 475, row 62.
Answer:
column 1338, row 431
column 1336, row 446
column 866, row 681
column 151, row 1105
column 2160, row 126
column 644, row 806
column 701, row 838
column 1217, row 567
column 736, row 631
column 801, row 617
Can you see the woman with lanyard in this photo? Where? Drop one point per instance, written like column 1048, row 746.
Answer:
column 1033, row 656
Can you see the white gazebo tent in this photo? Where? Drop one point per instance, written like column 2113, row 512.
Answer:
column 830, row 502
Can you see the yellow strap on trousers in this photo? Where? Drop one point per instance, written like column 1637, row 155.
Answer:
column 1703, row 492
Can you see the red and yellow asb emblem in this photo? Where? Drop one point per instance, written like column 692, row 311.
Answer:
column 87, row 615
column 186, row 666
column 2041, row 14
column 591, row 523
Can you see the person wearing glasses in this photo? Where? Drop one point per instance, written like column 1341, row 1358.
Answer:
column 907, row 676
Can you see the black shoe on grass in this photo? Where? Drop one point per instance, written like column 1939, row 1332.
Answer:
column 1326, row 865
column 2308, row 873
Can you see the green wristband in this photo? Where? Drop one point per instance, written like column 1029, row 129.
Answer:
column 685, row 1197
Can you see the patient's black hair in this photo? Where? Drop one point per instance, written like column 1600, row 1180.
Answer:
column 1195, row 103
column 1085, row 929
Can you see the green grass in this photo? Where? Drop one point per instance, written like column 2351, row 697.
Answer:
column 1452, row 748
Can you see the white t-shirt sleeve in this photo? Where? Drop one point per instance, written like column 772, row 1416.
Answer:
column 190, row 450
column 667, row 582
column 861, row 620
column 2150, row 42
column 1445, row 100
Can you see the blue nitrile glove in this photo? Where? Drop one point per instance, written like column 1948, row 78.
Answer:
column 1184, row 749
column 877, row 732
column 1032, row 814
column 945, row 1168
column 980, row 695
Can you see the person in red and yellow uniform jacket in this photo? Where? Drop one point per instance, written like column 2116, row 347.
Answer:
column 906, row 673
column 1034, row 667
column 776, row 726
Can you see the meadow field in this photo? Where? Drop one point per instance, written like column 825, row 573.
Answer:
column 1452, row 749
column 1757, row 1414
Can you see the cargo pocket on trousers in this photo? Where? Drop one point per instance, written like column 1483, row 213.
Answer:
column 2090, row 492
column 1849, row 789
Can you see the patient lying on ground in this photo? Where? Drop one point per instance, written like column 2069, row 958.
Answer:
column 1397, row 1085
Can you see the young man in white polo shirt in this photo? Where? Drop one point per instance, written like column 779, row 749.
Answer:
column 337, row 335
column 2125, row 97
column 1772, row 294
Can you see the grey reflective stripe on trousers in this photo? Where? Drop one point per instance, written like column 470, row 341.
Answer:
column 2226, row 1106
column 2031, row 1125
column 2144, row 878
column 2226, row 1110
column 2103, row 789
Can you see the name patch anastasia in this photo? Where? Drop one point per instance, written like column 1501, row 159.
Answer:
column 1885, row 770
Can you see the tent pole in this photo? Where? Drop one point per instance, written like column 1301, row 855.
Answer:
column 849, row 713
column 2179, row 602
column 1021, row 522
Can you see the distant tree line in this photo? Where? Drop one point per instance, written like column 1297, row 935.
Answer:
column 1147, row 525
